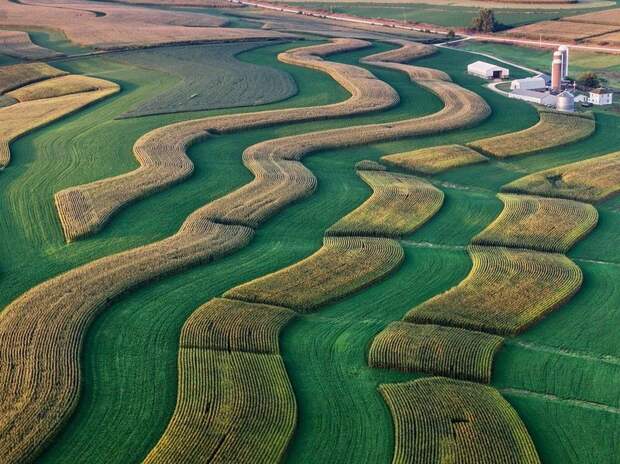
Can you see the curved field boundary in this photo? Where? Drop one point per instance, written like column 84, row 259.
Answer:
column 434, row 160
column 445, row 420
column 448, row 351
column 18, row 44
column 17, row 75
column 538, row 223
column 20, row 118
column 84, row 209
column 42, row 331
column 553, row 130
column 60, row 86
column 590, row 181
column 398, row 206
column 240, row 321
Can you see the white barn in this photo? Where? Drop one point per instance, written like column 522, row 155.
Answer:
column 540, row 98
column 487, row 70
column 601, row 97
column 529, row 83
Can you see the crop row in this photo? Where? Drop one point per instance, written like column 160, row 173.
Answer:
column 434, row 160
column 445, row 420
column 41, row 332
column 538, row 223
column 14, row 76
column 45, row 101
column 591, row 180
column 448, row 351
column 506, row 291
column 553, row 130
column 399, row 205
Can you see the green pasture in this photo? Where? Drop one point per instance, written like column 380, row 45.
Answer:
column 130, row 354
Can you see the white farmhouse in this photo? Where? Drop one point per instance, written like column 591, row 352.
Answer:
column 487, row 70
column 601, row 97
column 529, row 83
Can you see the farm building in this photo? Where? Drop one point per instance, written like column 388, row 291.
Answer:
column 487, row 70
column 540, row 98
column 529, row 83
column 565, row 102
column 601, row 97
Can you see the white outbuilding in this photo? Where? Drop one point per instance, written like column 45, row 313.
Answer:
column 540, row 98
column 601, row 97
column 487, row 70
column 529, row 83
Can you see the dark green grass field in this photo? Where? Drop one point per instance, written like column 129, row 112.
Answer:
column 561, row 376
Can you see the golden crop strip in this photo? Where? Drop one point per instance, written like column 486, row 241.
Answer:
column 60, row 86
column 444, row 420
column 17, row 75
column 591, row 180
column 434, row 349
column 342, row 265
column 162, row 155
column 41, row 332
column 553, row 130
column 538, row 223
column 434, row 160
column 399, row 205
column 506, row 291
column 21, row 118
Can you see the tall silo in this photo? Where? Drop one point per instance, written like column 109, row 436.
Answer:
column 556, row 72
column 564, row 51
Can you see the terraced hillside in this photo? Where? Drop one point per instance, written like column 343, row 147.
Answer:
column 349, row 265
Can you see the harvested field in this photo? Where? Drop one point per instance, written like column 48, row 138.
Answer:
column 109, row 25
column 60, row 86
column 17, row 75
column 435, row 159
column 233, row 325
column 18, row 45
column 447, row 351
column 592, row 180
column 438, row 419
column 232, row 407
column 612, row 39
column 343, row 265
column 553, row 130
column 537, row 223
column 32, row 361
column 162, row 152
column 398, row 206
column 561, row 30
column 506, row 291
column 235, row 84
column 607, row 17
column 20, row 118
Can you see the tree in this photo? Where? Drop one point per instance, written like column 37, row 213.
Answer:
column 450, row 34
column 485, row 21
column 588, row 80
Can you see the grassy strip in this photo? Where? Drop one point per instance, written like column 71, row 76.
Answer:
column 537, row 223
column 553, row 130
column 17, row 75
column 162, row 153
column 590, row 180
column 506, row 291
column 442, row 420
column 398, row 206
column 435, row 159
column 21, row 118
column 18, row 44
column 448, row 351
column 342, row 265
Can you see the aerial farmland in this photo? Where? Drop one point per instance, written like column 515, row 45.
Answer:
column 317, row 232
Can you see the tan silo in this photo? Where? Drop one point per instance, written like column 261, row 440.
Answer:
column 563, row 49
column 556, row 72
